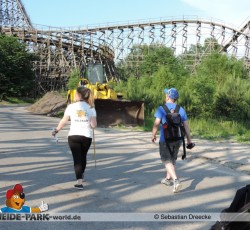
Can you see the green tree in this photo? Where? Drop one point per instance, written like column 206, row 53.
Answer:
column 197, row 96
column 220, row 89
column 159, row 69
column 145, row 60
column 73, row 79
column 232, row 99
column 16, row 75
column 159, row 56
column 196, row 53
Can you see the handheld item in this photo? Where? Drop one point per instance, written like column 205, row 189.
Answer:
column 54, row 132
column 190, row 146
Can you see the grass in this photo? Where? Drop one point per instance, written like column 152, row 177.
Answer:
column 212, row 129
column 14, row 100
column 60, row 114
column 217, row 130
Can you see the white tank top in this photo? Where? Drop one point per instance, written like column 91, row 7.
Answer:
column 80, row 114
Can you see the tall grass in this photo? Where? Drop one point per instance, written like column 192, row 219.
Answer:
column 213, row 130
column 217, row 130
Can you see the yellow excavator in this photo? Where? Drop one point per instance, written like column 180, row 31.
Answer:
column 110, row 107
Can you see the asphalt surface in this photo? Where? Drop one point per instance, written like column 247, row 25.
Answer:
column 124, row 179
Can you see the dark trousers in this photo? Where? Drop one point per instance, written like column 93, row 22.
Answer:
column 79, row 146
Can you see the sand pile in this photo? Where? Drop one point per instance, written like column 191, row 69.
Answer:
column 50, row 104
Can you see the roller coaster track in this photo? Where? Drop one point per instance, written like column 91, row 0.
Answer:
column 62, row 49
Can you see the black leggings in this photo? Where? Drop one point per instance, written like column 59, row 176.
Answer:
column 79, row 146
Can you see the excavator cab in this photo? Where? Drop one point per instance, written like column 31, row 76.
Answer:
column 95, row 73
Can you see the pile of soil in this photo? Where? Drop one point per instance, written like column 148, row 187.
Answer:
column 50, row 104
column 113, row 113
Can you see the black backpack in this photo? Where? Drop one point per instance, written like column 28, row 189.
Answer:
column 241, row 205
column 173, row 128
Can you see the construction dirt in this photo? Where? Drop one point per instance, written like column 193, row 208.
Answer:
column 114, row 112
column 50, row 104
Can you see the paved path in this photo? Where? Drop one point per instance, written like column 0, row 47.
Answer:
column 126, row 177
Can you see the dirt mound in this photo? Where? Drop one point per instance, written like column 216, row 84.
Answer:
column 50, row 104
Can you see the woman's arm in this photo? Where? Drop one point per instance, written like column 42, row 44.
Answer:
column 62, row 123
column 93, row 122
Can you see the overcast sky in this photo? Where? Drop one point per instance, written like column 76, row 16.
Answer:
column 66, row 13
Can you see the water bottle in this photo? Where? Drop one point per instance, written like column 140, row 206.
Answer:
column 55, row 137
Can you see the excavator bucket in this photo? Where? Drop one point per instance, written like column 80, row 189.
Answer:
column 119, row 112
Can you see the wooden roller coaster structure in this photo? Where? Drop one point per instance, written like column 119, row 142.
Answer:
column 60, row 49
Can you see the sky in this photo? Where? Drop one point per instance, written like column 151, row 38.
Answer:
column 74, row 13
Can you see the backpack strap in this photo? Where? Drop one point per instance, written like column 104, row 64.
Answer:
column 166, row 109
column 184, row 149
column 177, row 109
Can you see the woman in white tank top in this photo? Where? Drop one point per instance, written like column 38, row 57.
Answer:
column 82, row 116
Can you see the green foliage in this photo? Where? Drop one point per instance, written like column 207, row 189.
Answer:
column 73, row 79
column 211, row 44
column 197, row 53
column 19, row 100
column 233, row 99
column 217, row 66
column 216, row 97
column 159, row 69
column 213, row 129
column 60, row 114
column 219, row 129
column 16, row 75
column 154, row 56
column 220, row 89
column 197, row 96
column 245, row 137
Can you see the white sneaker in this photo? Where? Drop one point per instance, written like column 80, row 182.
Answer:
column 177, row 186
column 166, row 181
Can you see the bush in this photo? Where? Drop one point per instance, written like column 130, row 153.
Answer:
column 73, row 79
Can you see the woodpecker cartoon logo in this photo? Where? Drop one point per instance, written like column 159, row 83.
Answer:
column 15, row 199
